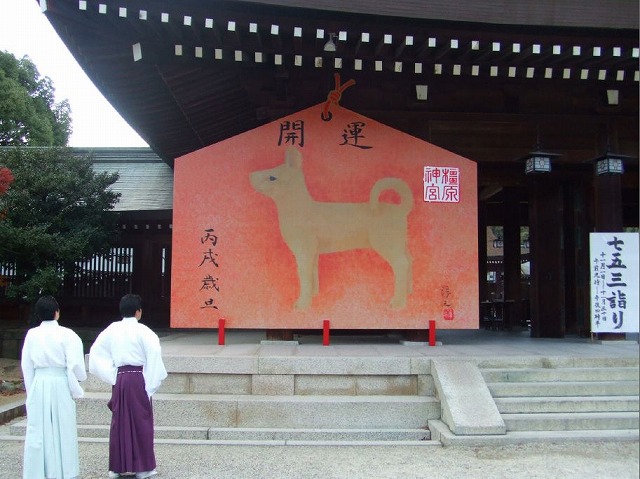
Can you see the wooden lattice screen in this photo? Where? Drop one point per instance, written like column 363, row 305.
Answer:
column 102, row 276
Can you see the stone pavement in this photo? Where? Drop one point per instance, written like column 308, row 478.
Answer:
column 619, row 460
column 608, row 460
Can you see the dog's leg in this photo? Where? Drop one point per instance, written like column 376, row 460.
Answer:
column 410, row 275
column 316, row 278
column 401, row 271
column 400, row 261
column 305, row 262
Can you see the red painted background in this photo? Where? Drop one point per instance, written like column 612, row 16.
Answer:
column 255, row 284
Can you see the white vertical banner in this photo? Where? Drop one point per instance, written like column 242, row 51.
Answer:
column 614, row 282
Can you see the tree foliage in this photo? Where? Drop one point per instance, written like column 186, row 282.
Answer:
column 29, row 114
column 56, row 211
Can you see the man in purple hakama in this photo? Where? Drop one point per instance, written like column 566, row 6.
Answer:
column 128, row 356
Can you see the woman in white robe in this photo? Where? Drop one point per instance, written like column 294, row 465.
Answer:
column 52, row 365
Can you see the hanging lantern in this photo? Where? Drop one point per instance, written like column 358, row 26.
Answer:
column 610, row 164
column 538, row 162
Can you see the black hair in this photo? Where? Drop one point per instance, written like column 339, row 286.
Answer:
column 129, row 304
column 46, row 308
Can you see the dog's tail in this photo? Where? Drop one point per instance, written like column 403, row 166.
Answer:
column 397, row 185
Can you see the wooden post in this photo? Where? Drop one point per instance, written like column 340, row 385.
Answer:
column 547, row 257
column 432, row 332
column 325, row 332
column 511, row 314
column 221, row 324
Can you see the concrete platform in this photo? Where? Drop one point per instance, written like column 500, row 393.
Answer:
column 476, row 344
column 360, row 366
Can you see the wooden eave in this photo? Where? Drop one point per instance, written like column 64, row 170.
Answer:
column 189, row 74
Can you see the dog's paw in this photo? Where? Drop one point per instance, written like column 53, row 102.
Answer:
column 302, row 304
column 398, row 303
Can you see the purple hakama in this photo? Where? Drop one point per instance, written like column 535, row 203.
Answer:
column 131, row 434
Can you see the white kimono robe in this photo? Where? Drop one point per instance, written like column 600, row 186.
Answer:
column 128, row 343
column 52, row 366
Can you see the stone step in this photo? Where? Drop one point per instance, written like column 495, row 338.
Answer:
column 514, row 405
column 242, row 360
column 283, row 384
column 548, row 389
column 316, row 412
column 572, row 422
column 558, row 362
column 216, row 434
column 440, row 432
column 271, row 434
column 562, row 374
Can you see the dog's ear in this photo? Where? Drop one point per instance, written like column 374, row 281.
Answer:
column 293, row 157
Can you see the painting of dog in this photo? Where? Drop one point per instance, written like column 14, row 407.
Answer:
column 311, row 228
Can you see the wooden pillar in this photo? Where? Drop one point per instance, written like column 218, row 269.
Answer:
column 608, row 203
column 139, row 261
column 145, row 279
column 511, row 260
column 547, row 257
column 154, row 290
column 577, row 263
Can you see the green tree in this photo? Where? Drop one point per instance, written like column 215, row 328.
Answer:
column 29, row 114
column 56, row 211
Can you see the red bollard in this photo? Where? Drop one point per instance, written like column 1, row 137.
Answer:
column 432, row 332
column 325, row 332
column 221, row 322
